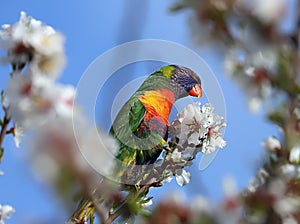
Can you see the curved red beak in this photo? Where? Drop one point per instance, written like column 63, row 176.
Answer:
column 196, row 91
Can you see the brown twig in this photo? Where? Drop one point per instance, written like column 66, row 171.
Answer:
column 98, row 207
column 116, row 214
column 5, row 122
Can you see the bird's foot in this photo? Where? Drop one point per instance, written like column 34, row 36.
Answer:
column 172, row 146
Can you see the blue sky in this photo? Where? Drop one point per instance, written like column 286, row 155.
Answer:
column 92, row 28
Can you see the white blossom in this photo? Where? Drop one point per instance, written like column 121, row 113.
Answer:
column 200, row 32
column 18, row 134
column 195, row 130
column 5, row 212
column 289, row 220
column 295, row 155
column 229, row 187
column 229, row 212
column 29, row 40
column 266, row 58
column 167, row 180
column 31, row 101
column 99, row 150
column 252, row 73
column 50, row 66
column 182, row 177
column 194, row 138
column 34, row 100
column 259, row 180
column 211, row 144
column 64, row 106
column 284, row 205
column 55, row 145
column 269, row 11
column 297, row 112
column 200, row 204
column 201, row 126
column 31, row 33
column 271, row 144
column 232, row 63
column 289, row 171
column 176, row 156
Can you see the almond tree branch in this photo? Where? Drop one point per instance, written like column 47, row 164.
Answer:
column 5, row 122
column 98, row 207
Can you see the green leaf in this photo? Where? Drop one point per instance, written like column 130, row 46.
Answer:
column 145, row 212
column 146, row 200
column 285, row 80
column 276, row 117
column 92, row 219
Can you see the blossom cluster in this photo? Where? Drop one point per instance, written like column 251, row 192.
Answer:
column 36, row 54
column 214, row 19
column 174, row 208
column 29, row 40
column 5, row 212
column 34, row 100
column 249, row 33
column 254, row 73
column 263, row 58
column 262, row 195
column 196, row 129
column 276, row 186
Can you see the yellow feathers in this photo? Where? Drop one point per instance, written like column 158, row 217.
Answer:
column 158, row 103
column 167, row 71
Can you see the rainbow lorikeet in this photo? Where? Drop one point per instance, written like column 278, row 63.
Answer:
column 141, row 126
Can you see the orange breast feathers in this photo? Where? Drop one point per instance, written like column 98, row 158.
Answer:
column 158, row 103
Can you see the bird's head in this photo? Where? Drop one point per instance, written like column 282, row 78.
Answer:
column 184, row 81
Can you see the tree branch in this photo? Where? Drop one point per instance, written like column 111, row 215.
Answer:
column 98, row 207
column 5, row 122
column 122, row 208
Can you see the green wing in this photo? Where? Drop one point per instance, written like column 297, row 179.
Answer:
column 126, row 126
column 132, row 139
column 136, row 115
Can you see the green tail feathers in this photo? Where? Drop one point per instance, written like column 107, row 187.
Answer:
column 84, row 212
